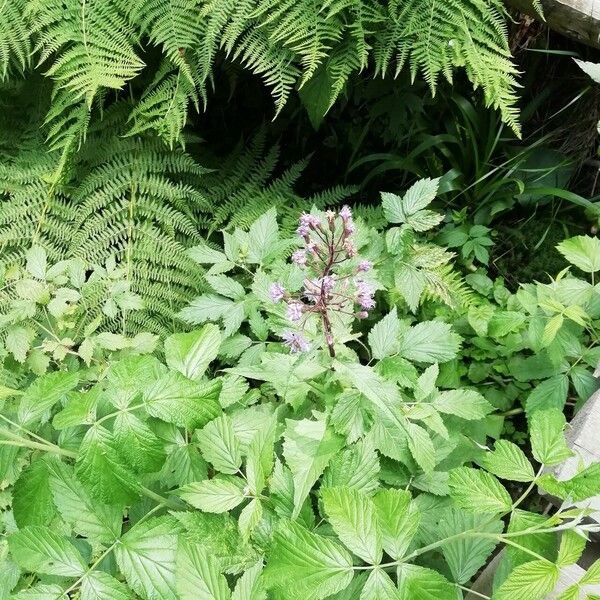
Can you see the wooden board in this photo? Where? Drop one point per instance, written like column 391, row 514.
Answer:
column 577, row 19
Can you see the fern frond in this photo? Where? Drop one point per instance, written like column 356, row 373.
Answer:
column 274, row 64
column 15, row 45
column 436, row 36
column 89, row 42
column 164, row 106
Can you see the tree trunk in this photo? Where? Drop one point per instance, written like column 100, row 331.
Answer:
column 577, row 19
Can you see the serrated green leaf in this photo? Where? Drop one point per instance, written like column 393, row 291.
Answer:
column 102, row 470
column 176, row 399
column 584, row 485
column 198, row 576
column 530, row 581
column 417, row 197
column 398, row 519
column 263, row 234
column 220, row 446
column 318, row 566
column 383, row 337
column 308, row 447
column 465, row 556
column 379, row 586
column 191, row 353
column 508, row 461
column 419, row 583
column 551, row 393
column 249, row 586
column 478, row 491
column 259, row 462
column 138, row 444
column 421, row 447
column 249, row 518
column 572, row 545
column 356, row 466
column 36, row 262
column 466, row 404
column 548, row 443
column 98, row 585
column 32, row 499
column 583, row 251
column 40, row 550
column 146, row 557
column 352, row 516
column 214, row 495
column 41, row 591
column 429, row 342
column 88, row 517
column 44, row 393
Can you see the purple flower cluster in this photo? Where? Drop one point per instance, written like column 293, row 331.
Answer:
column 329, row 286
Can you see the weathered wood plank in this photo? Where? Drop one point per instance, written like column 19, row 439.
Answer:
column 583, row 437
column 577, row 19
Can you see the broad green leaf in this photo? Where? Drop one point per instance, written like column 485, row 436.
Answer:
column 548, row 443
column 18, row 342
column 219, row 535
column 32, row 501
column 530, row 581
column 318, row 566
column 87, row 516
column 216, row 495
column 191, row 353
column 478, row 491
column 544, row 544
column 383, row 337
column 263, row 234
column 583, row 251
column 398, row 519
column 220, row 446
column 551, row 393
column 250, row 517
column 259, row 462
column 465, row 556
column 249, row 586
column 98, row 585
column 44, row 393
column 421, row 447
column 41, row 591
column 508, row 461
column 176, row 399
column 592, row 575
column 41, row 550
column 127, row 378
column 102, row 470
column 226, row 286
column 350, row 416
column 308, row 447
column 198, row 576
column 379, row 586
column 204, row 254
column 429, row 342
column 584, row 485
column 417, row 197
column 36, row 262
column 419, row 583
column 352, row 516
column 466, row 404
column 571, row 548
column 356, row 466
column 410, row 282
column 146, row 557
column 208, row 307
column 80, row 409
column 137, row 443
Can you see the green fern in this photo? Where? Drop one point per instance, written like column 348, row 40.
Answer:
column 15, row 45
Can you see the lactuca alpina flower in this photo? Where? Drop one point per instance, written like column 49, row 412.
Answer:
column 329, row 286
column 295, row 341
column 277, row 292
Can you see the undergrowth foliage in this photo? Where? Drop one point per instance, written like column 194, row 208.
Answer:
column 348, row 447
